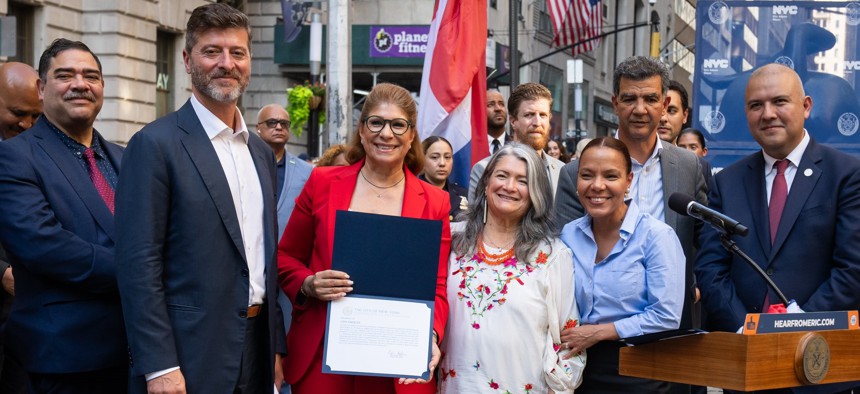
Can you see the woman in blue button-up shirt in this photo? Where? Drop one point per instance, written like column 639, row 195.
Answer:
column 629, row 269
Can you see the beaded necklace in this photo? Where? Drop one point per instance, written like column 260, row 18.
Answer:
column 494, row 259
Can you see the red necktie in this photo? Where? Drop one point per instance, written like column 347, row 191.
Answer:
column 778, row 194
column 98, row 179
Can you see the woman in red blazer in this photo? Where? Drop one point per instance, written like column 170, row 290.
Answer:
column 386, row 153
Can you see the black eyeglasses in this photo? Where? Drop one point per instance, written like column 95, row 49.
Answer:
column 271, row 123
column 398, row 126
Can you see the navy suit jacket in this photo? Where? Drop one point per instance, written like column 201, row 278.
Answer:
column 815, row 258
column 181, row 263
column 59, row 238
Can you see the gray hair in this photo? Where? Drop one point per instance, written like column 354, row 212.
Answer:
column 640, row 68
column 537, row 225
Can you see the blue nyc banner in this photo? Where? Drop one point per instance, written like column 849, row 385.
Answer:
column 819, row 39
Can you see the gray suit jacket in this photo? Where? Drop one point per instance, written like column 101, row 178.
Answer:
column 554, row 165
column 296, row 174
column 682, row 173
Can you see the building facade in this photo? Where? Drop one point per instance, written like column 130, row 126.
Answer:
column 140, row 42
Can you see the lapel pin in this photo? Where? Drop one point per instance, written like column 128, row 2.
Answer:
column 807, row 172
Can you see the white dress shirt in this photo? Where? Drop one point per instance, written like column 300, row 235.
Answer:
column 247, row 196
column 790, row 171
column 501, row 139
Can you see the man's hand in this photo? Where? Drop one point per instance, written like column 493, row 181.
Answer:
column 435, row 355
column 279, row 371
column 169, row 383
column 8, row 281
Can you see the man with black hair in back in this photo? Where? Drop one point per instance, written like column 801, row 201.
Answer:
column 675, row 116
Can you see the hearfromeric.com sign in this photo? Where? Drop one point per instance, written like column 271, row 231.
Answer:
column 399, row 41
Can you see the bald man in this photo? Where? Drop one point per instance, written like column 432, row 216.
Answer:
column 19, row 108
column 801, row 202
column 19, row 99
column 273, row 124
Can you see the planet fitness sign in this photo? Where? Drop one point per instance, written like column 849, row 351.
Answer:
column 399, row 41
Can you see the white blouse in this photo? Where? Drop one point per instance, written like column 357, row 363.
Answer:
column 505, row 322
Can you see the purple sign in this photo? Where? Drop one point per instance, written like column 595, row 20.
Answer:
column 399, row 41
column 505, row 55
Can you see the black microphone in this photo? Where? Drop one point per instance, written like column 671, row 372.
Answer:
column 685, row 205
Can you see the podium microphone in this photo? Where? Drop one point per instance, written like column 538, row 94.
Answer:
column 685, row 205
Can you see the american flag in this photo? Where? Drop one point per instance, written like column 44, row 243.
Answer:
column 576, row 21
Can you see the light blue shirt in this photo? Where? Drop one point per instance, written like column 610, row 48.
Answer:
column 647, row 186
column 639, row 286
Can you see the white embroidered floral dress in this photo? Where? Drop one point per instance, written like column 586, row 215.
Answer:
column 505, row 321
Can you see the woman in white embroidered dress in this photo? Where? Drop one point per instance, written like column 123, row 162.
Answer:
column 510, row 287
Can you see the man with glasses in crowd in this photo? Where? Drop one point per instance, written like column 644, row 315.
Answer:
column 273, row 125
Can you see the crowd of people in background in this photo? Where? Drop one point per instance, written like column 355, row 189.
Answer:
column 198, row 258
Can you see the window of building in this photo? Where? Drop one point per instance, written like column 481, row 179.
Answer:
column 24, row 31
column 553, row 79
column 544, row 20
column 494, row 4
column 164, row 95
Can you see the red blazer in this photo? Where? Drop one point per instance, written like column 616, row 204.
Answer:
column 307, row 243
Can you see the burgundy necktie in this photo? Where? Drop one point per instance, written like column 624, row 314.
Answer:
column 778, row 194
column 98, row 179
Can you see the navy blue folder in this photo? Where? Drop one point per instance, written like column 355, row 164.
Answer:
column 388, row 256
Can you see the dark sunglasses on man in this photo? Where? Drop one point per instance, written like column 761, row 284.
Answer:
column 271, row 123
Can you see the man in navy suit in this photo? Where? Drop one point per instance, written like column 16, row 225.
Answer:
column 196, row 229
column 809, row 249
column 57, row 184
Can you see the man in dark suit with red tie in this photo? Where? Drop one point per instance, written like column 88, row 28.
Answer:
column 57, row 184
column 801, row 202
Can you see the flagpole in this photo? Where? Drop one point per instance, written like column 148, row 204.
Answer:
column 514, row 43
column 539, row 58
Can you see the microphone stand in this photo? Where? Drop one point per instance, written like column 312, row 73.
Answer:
column 732, row 247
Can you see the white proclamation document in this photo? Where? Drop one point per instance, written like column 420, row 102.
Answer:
column 378, row 336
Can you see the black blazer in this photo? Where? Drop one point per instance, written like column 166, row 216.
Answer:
column 457, row 195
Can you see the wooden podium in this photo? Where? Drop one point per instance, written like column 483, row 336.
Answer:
column 741, row 362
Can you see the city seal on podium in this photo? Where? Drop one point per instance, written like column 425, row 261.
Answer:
column 812, row 359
